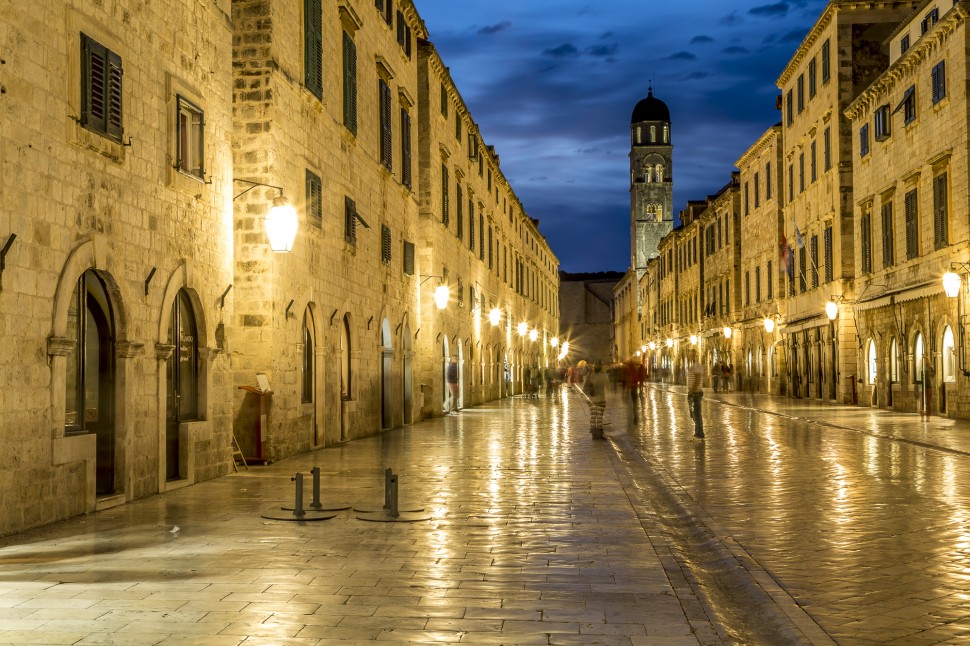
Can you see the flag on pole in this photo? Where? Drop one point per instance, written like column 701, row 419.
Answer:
column 799, row 241
column 784, row 252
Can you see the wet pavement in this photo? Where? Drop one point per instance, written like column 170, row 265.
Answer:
column 795, row 522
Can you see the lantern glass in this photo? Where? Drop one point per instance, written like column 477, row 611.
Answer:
column 281, row 225
column 441, row 296
column 951, row 284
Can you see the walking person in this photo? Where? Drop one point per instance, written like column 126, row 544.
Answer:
column 451, row 379
column 595, row 388
column 695, row 391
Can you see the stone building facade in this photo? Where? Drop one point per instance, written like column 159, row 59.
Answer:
column 761, row 363
column 651, row 180
column 117, row 246
column 911, row 210
column 154, row 327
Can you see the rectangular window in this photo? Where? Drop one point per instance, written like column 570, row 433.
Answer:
column 408, row 258
column 385, row 244
column 826, row 73
column 864, row 140
column 313, row 46
column 938, row 77
column 491, row 264
column 350, row 221
column 314, row 198
column 930, row 20
column 747, row 288
column 471, row 225
column 770, row 291
column 459, row 214
column 388, row 11
column 444, row 101
column 911, row 215
column 865, row 240
column 827, row 148
column 791, row 182
column 813, row 248
column 403, row 34
column 811, row 79
column 385, row 134
column 768, row 181
column 481, row 234
column 908, row 104
column 800, row 92
column 888, row 236
column 406, row 166
column 457, row 126
column 904, row 44
column 801, row 172
column 190, row 139
column 940, row 218
column 445, row 183
column 757, row 190
column 757, row 284
column 350, row 83
column 813, row 161
column 101, row 89
column 790, row 108
column 746, row 210
column 829, row 266
column 802, row 270
column 882, row 123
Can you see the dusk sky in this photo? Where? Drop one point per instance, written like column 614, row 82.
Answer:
column 552, row 85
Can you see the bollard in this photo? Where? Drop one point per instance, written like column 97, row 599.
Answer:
column 297, row 511
column 391, row 511
column 316, row 505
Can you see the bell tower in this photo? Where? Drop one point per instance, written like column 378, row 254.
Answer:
column 651, row 180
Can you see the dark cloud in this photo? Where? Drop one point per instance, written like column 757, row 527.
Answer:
column 494, row 29
column 697, row 40
column 566, row 50
column 681, row 56
column 735, row 49
column 731, row 19
column 793, row 36
column 696, row 76
column 776, row 10
column 601, row 51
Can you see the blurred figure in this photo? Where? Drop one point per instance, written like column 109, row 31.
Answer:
column 595, row 388
column 632, row 381
column 695, row 391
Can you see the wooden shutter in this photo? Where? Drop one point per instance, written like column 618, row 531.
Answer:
column 408, row 258
column 912, row 224
column 350, row 221
column 827, row 242
column 866, row 239
column 444, row 195
column 406, row 148
column 385, row 134
column 350, row 83
column 385, row 244
column 459, row 215
column 940, row 237
column 888, row 238
column 313, row 46
column 314, row 198
column 101, row 92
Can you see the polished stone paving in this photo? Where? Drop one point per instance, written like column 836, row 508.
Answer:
column 531, row 540
column 795, row 522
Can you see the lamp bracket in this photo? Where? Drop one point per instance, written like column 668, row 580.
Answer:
column 148, row 280
column 3, row 252
column 253, row 185
column 425, row 279
column 222, row 299
column 286, row 313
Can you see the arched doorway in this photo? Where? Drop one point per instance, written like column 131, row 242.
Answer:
column 407, row 373
column 308, row 393
column 445, row 356
column 871, row 368
column 948, row 360
column 893, row 370
column 90, row 374
column 182, row 381
column 346, row 376
column 387, row 376
column 461, row 373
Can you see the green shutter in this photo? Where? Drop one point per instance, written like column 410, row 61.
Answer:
column 350, row 83
column 313, row 46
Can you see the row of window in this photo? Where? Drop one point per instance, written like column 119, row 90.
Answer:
column 756, row 183
column 911, row 226
column 768, row 282
column 882, row 116
column 795, row 99
column 812, row 166
column 922, row 362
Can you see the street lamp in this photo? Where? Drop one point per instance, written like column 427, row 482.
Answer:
column 832, row 309
column 494, row 316
column 281, row 222
column 533, row 334
column 522, row 328
column 653, row 345
column 670, row 342
column 951, row 284
column 441, row 296
column 727, row 332
column 769, row 325
column 693, row 339
column 554, row 341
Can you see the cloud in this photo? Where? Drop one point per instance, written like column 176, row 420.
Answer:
column 696, row 76
column 566, row 50
column 731, row 19
column 488, row 30
column 794, row 36
column 778, row 9
column 735, row 49
column 601, row 51
column 697, row 40
column 681, row 56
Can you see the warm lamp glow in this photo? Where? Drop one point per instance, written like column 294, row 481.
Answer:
column 494, row 316
column 951, row 284
column 643, row 348
column 653, row 345
column 554, row 341
column 727, row 332
column 693, row 339
column 533, row 334
column 441, row 296
column 281, row 225
column 522, row 328
column 769, row 325
column 670, row 343
column 831, row 310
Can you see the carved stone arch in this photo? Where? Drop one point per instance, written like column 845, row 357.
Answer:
column 179, row 279
column 90, row 253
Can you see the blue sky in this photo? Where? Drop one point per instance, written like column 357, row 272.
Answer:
column 552, row 85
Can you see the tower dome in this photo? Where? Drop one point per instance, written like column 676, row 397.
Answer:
column 650, row 109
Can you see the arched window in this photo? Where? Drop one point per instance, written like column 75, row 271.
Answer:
column 653, row 134
column 184, row 366
column 771, row 362
column 307, row 356
column 660, row 172
column 648, row 174
column 345, row 373
column 639, row 134
column 666, row 134
column 750, row 362
column 949, row 357
column 918, row 359
column 871, row 363
column 90, row 365
column 893, row 361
